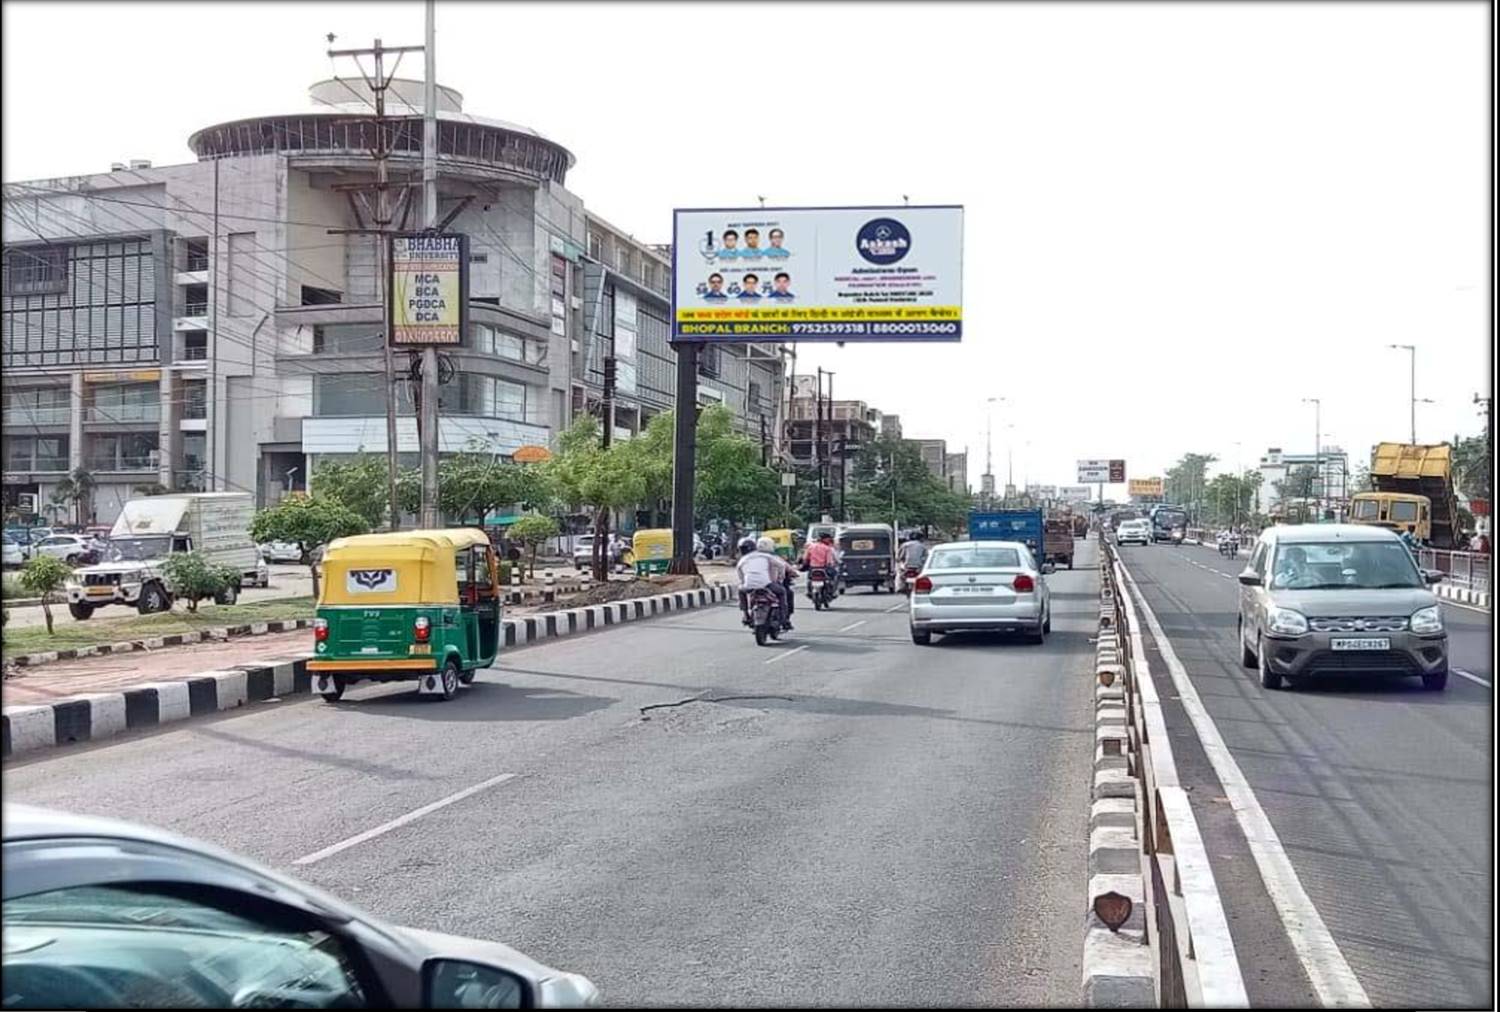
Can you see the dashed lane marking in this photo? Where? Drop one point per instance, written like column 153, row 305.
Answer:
column 397, row 823
column 1473, row 678
column 782, row 657
column 853, row 625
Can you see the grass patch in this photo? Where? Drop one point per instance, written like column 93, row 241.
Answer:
column 71, row 635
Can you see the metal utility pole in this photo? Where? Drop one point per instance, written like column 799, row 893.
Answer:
column 1412, row 350
column 377, row 83
column 684, row 454
column 1318, row 449
column 429, row 434
column 214, row 420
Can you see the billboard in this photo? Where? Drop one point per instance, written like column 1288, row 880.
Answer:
column 1109, row 472
column 1146, row 487
column 427, row 289
column 817, row 274
column 1075, row 493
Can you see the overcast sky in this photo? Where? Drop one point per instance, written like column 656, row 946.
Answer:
column 1181, row 220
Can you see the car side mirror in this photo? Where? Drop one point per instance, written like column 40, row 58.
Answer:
column 1250, row 578
column 1433, row 575
column 459, row 983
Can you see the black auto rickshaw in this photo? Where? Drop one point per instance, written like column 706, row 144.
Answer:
column 869, row 552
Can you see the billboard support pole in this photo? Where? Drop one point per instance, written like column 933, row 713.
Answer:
column 429, row 404
column 684, row 453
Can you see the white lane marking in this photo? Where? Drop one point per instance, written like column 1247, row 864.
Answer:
column 853, row 625
column 895, row 607
column 397, row 823
column 1473, row 678
column 1331, row 977
column 794, row 650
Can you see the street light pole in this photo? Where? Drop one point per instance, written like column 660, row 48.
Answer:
column 1412, row 349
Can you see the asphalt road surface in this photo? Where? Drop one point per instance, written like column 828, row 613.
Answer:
column 841, row 818
column 1379, row 791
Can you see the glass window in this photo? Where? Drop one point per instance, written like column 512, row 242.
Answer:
column 976, row 558
column 40, row 270
column 510, row 400
column 1363, row 565
column 159, row 946
column 1405, row 512
column 1366, row 509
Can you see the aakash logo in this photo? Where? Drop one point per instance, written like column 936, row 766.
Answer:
column 883, row 241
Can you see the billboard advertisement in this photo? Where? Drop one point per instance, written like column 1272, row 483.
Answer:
column 817, row 274
column 427, row 289
column 1109, row 472
column 1146, row 487
column 1075, row 493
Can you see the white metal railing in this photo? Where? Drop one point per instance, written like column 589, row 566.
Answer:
column 1470, row 570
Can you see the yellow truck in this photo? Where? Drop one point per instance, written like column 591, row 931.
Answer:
column 1413, row 491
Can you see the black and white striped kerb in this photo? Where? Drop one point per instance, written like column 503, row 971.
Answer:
column 1462, row 595
column 101, row 715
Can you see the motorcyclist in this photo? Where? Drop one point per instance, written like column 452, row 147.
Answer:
column 822, row 554
column 761, row 568
column 912, row 555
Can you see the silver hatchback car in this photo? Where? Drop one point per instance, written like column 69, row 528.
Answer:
column 1320, row 600
column 981, row 585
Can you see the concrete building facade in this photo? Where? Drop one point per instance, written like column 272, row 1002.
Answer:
column 207, row 325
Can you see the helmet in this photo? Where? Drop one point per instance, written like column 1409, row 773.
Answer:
column 826, row 536
column 765, row 545
column 747, row 546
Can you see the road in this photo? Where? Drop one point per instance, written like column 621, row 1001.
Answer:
column 1380, row 793
column 856, row 820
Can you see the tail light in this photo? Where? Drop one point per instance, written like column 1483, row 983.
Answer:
column 816, row 574
column 923, row 585
column 1024, row 584
column 422, row 629
column 320, row 629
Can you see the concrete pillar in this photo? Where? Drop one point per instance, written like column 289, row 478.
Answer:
column 166, row 430
column 75, row 422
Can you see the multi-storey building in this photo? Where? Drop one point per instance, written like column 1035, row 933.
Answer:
column 219, row 324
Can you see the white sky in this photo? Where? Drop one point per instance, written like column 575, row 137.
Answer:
column 1180, row 219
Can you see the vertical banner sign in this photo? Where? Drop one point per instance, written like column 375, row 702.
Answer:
column 427, row 289
column 817, row 274
column 1116, row 471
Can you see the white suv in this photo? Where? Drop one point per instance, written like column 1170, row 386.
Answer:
column 1133, row 532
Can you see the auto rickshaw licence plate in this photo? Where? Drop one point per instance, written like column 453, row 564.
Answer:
column 420, row 648
column 862, row 545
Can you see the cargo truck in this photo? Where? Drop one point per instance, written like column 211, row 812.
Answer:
column 1025, row 526
column 148, row 530
column 1413, row 491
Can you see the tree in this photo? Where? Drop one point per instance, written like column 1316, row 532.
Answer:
column 475, row 483
column 361, row 485
column 44, row 576
column 1185, row 481
column 1471, row 466
column 1299, row 483
column 192, row 577
column 732, row 483
column 309, row 521
column 76, row 488
column 889, row 482
column 532, row 530
column 583, row 473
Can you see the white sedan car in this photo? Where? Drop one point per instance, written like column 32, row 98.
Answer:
column 281, row 551
column 15, row 553
column 981, row 586
column 1133, row 532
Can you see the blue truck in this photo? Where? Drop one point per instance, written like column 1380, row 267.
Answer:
column 1024, row 525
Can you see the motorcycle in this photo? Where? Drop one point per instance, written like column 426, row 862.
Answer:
column 765, row 616
column 1229, row 547
column 822, row 588
column 908, row 577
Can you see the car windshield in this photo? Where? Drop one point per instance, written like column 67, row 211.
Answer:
column 1171, row 519
column 138, row 549
column 1344, row 565
column 975, row 558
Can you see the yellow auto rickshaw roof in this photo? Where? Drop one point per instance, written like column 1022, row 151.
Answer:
column 420, row 564
column 653, row 532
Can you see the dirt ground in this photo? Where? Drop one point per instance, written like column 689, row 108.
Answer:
column 621, row 591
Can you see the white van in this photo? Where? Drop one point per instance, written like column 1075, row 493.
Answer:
column 215, row 524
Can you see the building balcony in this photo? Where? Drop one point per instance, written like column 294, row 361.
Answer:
column 22, row 415
column 456, row 433
column 193, row 274
column 123, row 413
column 122, row 465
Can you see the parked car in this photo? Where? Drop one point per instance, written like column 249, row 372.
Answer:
column 583, row 551
column 74, row 549
column 99, row 913
column 16, row 553
column 1325, row 600
column 1133, row 532
column 281, row 551
column 981, row 585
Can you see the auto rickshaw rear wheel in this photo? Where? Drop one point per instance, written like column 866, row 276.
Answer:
column 450, row 678
column 338, row 690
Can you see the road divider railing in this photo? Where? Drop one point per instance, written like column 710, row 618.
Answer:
column 1156, row 933
column 1470, row 571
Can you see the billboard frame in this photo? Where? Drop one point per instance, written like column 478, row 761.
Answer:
column 390, row 291
column 675, row 338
